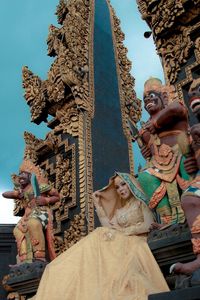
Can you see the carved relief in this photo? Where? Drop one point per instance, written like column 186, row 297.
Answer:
column 189, row 69
column 175, row 52
column 171, row 23
column 34, row 94
column 130, row 104
column 68, row 96
column 68, row 75
column 68, row 116
column 161, row 16
column 75, row 232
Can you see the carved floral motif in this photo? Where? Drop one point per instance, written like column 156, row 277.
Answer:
column 68, row 96
column 175, row 52
column 132, row 105
column 171, row 23
column 34, row 94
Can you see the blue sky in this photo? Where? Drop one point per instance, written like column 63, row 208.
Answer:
column 23, row 30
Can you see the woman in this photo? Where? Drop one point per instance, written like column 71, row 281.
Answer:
column 113, row 262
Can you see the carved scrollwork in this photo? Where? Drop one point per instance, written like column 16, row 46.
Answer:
column 68, row 116
column 175, row 52
column 32, row 144
column 75, row 232
column 197, row 44
column 131, row 105
column 61, row 11
column 68, row 76
column 35, row 94
column 64, row 176
column 165, row 14
column 54, row 40
column 171, row 22
column 161, row 15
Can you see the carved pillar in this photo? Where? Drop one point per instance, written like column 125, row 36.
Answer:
column 89, row 95
column 175, row 27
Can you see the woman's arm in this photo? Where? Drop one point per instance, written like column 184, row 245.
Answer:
column 141, row 227
column 99, row 210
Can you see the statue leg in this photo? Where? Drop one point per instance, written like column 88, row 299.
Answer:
column 21, row 244
column 35, row 229
column 150, row 185
column 191, row 207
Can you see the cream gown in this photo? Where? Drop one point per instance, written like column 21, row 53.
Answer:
column 108, row 264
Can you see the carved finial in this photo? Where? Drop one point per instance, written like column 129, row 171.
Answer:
column 61, row 11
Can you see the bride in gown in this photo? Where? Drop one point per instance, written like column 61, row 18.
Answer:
column 113, row 262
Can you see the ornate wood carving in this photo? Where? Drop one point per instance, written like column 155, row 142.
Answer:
column 175, row 27
column 67, row 95
column 130, row 105
column 172, row 23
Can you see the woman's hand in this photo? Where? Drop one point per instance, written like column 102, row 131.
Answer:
column 115, row 226
column 155, row 225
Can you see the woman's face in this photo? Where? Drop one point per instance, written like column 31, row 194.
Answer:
column 122, row 188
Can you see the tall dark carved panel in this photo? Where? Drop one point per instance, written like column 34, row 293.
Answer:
column 109, row 141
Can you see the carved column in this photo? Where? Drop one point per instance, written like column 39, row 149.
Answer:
column 89, row 97
column 175, row 27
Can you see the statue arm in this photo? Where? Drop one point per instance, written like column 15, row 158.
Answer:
column 141, row 227
column 104, row 220
column 174, row 112
column 11, row 195
column 53, row 196
column 50, row 197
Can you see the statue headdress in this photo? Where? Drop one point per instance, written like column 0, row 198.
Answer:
column 168, row 91
column 194, row 84
column 28, row 166
column 153, row 84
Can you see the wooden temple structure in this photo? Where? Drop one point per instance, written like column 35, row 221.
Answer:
column 175, row 27
column 87, row 102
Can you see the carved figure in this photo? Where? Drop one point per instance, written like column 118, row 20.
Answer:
column 37, row 218
column 112, row 260
column 191, row 196
column 166, row 141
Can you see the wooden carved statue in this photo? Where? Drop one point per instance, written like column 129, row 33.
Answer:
column 35, row 226
column 165, row 142
column 191, row 196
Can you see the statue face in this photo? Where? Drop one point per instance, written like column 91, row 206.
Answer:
column 24, row 178
column 122, row 188
column 194, row 99
column 195, row 132
column 153, row 102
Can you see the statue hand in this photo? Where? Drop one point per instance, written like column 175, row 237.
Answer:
column 146, row 152
column 150, row 127
column 20, row 195
column 190, row 165
column 41, row 201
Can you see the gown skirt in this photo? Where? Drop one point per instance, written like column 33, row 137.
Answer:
column 105, row 265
